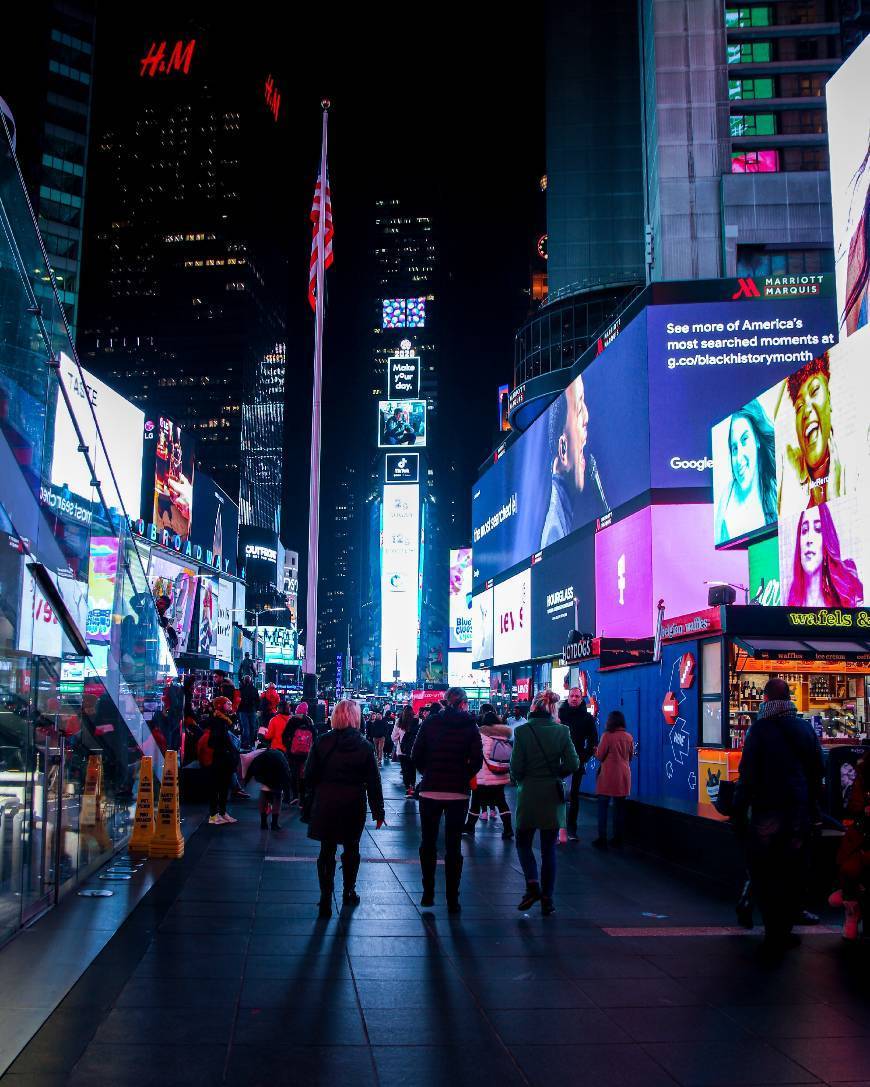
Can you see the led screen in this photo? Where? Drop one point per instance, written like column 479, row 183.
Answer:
column 394, row 313
column 403, row 378
column 208, row 615
column 562, row 576
column 708, row 359
column 848, row 99
column 402, row 468
column 177, row 584
column 39, row 631
column 224, row 623
column 216, row 523
column 461, row 673
column 401, row 422
column 121, row 426
column 416, row 311
column 823, row 559
column 102, row 576
column 460, row 599
column 482, row 626
column 744, row 471
column 623, row 578
column 512, row 606
column 279, row 645
column 572, row 465
column 400, row 596
column 173, row 479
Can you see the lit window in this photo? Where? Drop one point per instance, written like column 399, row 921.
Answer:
column 753, row 124
column 755, row 162
column 750, row 88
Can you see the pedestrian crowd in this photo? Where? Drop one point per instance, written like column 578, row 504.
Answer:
column 456, row 766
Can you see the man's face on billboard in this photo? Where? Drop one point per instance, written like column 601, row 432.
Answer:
column 813, row 420
column 576, row 432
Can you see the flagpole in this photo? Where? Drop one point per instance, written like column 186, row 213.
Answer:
column 309, row 686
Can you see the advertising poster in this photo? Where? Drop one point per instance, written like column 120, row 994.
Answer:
column 173, row 479
column 403, row 377
column 562, row 577
column 121, row 426
column 461, row 673
column 102, row 575
column 823, row 559
column 482, row 626
column 460, row 599
column 279, row 645
column 258, row 555
column 764, row 586
column 400, row 595
column 401, row 422
column 848, row 99
column 224, row 625
column 208, row 616
column 572, row 466
column 402, row 468
column 706, row 360
column 39, row 631
column 512, row 603
column 215, row 523
column 744, row 471
column 623, row 578
column 177, row 583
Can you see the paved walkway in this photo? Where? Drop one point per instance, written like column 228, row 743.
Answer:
column 223, row 975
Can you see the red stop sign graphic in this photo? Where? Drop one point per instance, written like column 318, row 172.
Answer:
column 593, row 706
column 583, row 684
column 687, row 671
column 670, row 709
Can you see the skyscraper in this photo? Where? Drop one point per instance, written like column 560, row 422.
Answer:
column 185, row 303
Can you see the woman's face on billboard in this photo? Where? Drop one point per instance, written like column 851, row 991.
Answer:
column 744, row 454
column 813, row 419
column 811, row 541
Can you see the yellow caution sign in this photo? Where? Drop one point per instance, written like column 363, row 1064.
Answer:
column 167, row 840
column 92, row 795
column 143, row 823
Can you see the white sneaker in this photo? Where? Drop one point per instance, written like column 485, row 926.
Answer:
column 227, row 818
column 215, row 820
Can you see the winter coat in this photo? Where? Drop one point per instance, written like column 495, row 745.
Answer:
column 378, row 728
column 493, row 772
column 224, row 753
column 781, row 768
column 342, row 771
column 614, row 752
column 408, row 738
column 536, row 772
column 293, row 726
column 276, row 733
column 584, row 735
column 269, row 768
column 249, row 698
column 269, row 701
column 448, row 752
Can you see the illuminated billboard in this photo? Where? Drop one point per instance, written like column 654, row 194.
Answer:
column 403, row 313
column 823, row 556
column 482, row 626
column 401, row 422
column 400, row 590
column 848, row 101
column 208, row 615
column 280, row 645
column 102, row 577
column 403, row 377
column 460, row 600
column 121, row 427
column 461, row 672
column 744, row 471
column 173, row 478
column 175, row 584
column 512, row 606
column 402, row 468
column 563, row 583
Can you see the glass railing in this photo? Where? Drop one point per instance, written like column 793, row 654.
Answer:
column 83, row 660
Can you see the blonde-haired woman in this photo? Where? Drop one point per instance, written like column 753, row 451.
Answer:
column 543, row 755
column 340, row 773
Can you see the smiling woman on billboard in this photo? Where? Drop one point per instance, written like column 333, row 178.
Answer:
column 749, row 500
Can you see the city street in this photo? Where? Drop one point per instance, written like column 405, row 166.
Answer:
column 223, row 975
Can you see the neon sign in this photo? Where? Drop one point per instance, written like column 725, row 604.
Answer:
column 273, row 97
column 155, row 62
column 826, row 617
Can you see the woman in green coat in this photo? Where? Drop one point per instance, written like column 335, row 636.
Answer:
column 543, row 755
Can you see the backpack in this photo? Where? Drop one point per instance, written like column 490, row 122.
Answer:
column 500, row 756
column 302, row 740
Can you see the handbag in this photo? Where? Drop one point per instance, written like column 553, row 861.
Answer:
column 308, row 799
column 560, row 784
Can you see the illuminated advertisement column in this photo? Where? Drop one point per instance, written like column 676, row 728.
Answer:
column 400, row 566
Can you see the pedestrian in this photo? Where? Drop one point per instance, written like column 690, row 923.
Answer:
column 268, row 704
column 224, row 760
column 778, row 795
column 270, row 769
column 276, row 730
column 493, row 775
column 517, row 717
column 340, row 773
column 249, row 696
column 853, row 856
column 410, row 727
column 377, row 730
column 543, row 755
column 246, row 668
column 299, row 738
column 448, row 753
column 614, row 753
column 584, row 736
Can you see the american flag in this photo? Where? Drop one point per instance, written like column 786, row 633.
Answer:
column 327, row 240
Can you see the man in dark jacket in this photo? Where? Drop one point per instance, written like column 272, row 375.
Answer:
column 377, row 731
column 448, row 753
column 778, row 793
column 584, row 736
column 249, row 699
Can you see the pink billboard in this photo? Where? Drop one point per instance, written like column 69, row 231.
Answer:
column 659, row 553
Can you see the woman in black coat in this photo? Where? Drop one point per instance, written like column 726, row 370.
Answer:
column 341, row 771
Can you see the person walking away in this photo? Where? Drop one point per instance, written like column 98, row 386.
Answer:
column 614, row 753
column 269, row 704
column 448, row 753
column 270, row 769
column 853, row 856
column 410, row 728
column 340, row 774
column 778, row 791
column 396, row 737
column 224, row 760
column 493, row 775
column 377, row 730
column 543, row 755
column 276, row 730
column 249, row 696
column 299, row 738
column 575, row 714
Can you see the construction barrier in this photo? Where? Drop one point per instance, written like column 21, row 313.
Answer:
column 143, row 822
column 92, row 795
column 167, row 840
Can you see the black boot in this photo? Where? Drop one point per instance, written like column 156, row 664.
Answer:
column 326, row 878
column 470, row 824
column 275, row 824
column 507, row 826
column 428, row 863
column 263, row 824
column 547, row 907
column 532, row 895
column 453, row 877
column 349, row 869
